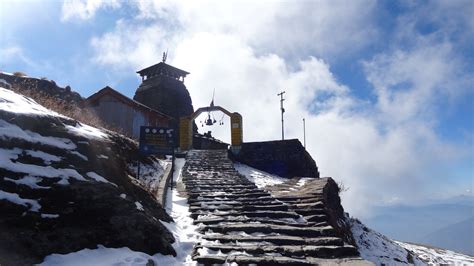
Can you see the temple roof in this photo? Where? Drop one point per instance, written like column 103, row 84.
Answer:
column 124, row 99
column 162, row 69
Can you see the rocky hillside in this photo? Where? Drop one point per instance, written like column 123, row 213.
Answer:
column 39, row 85
column 66, row 186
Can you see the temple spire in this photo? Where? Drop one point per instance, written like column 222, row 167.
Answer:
column 165, row 56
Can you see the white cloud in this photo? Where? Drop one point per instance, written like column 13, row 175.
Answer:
column 296, row 29
column 382, row 151
column 85, row 9
column 130, row 46
column 412, row 84
column 353, row 146
column 15, row 54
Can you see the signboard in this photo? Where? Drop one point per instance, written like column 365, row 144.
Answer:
column 156, row 140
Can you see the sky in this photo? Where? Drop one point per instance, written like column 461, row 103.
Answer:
column 385, row 87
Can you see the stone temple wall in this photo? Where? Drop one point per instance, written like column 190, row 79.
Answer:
column 168, row 96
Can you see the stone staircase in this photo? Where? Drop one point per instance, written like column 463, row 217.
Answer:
column 243, row 224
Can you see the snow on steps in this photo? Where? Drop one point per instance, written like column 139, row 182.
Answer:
column 249, row 224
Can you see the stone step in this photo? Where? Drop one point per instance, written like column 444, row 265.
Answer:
column 242, row 199
column 234, row 191
column 269, row 214
column 235, row 202
column 254, row 195
column 287, row 250
column 316, row 218
column 297, row 198
column 250, row 260
column 250, row 228
column 210, row 208
column 242, row 219
column 243, row 224
column 219, row 186
column 213, row 182
column 308, row 205
column 305, row 212
column 277, row 240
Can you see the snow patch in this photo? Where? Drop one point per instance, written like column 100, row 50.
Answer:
column 78, row 154
column 16, row 199
column 377, row 248
column 303, row 181
column 16, row 103
column 6, row 157
column 30, row 181
column 139, row 206
column 150, row 174
column 47, row 158
column 123, row 196
column 99, row 178
column 86, row 131
column 99, row 256
column 184, row 231
column 260, row 178
column 11, row 131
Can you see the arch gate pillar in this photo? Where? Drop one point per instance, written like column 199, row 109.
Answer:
column 236, row 129
column 185, row 133
column 186, row 128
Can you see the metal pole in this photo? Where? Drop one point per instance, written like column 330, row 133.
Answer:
column 172, row 170
column 304, row 133
column 138, row 168
column 282, row 111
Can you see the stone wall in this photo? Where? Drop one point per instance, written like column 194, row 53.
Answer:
column 201, row 142
column 286, row 158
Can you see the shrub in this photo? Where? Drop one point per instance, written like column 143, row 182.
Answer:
column 19, row 74
column 341, row 187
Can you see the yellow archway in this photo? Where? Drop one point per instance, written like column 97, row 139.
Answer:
column 186, row 127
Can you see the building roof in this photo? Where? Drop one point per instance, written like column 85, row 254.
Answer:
column 124, row 99
column 162, row 67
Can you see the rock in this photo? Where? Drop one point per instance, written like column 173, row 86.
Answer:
column 44, row 86
column 83, row 213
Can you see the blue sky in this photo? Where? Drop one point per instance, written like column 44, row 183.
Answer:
column 386, row 87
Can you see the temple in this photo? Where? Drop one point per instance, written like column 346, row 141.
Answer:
column 163, row 89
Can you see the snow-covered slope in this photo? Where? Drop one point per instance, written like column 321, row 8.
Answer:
column 437, row 256
column 379, row 249
column 66, row 186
